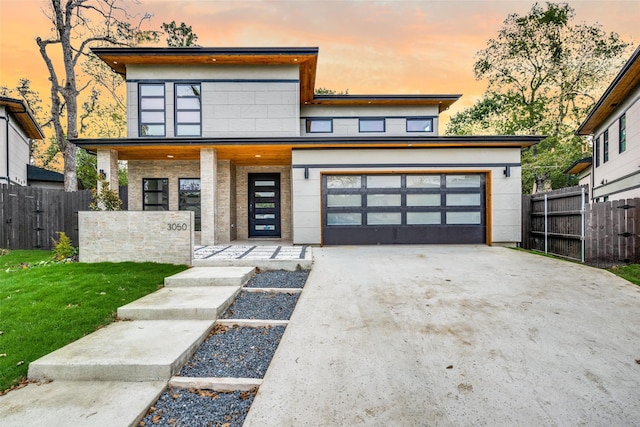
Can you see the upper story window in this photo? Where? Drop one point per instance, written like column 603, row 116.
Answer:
column 188, row 110
column 420, row 125
column 319, row 125
column 596, row 148
column 152, row 105
column 623, row 133
column 605, row 147
column 371, row 125
column 155, row 194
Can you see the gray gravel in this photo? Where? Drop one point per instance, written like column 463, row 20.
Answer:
column 236, row 352
column 279, row 279
column 262, row 305
column 199, row 408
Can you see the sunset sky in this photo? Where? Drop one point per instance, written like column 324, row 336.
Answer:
column 367, row 47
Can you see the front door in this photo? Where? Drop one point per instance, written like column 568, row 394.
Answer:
column 264, row 205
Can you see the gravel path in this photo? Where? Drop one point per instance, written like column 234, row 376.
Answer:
column 199, row 408
column 278, row 279
column 235, row 352
column 262, row 305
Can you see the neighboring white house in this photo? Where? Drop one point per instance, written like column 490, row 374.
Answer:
column 614, row 124
column 238, row 136
column 17, row 128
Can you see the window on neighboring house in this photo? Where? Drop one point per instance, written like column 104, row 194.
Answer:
column 596, row 148
column 319, row 125
column 152, row 105
column 155, row 194
column 420, row 125
column 371, row 125
column 188, row 110
column 605, row 147
column 623, row 133
column 189, row 198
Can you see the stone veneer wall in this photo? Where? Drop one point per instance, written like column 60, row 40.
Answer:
column 242, row 198
column 165, row 237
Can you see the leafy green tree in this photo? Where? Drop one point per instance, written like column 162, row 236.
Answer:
column 544, row 74
column 179, row 35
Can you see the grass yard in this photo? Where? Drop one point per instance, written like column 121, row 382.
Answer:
column 629, row 272
column 45, row 305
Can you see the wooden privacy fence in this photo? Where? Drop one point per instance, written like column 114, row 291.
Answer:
column 563, row 223
column 30, row 217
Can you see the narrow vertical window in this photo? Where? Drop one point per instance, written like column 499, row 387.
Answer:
column 155, row 194
column 605, row 147
column 596, row 149
column 623, row 133
column 188, row 110
column 152, row 106
column 189, row 198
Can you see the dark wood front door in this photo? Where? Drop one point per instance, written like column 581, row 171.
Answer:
column 264, row 205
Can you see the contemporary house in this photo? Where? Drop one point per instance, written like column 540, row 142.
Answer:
column 583, row 168
column 17, row 128
column 238, row 136
column 614, row 124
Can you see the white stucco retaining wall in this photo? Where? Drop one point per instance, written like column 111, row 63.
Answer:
column 164, row 237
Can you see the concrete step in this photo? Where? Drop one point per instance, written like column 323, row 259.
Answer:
column 262, row 264
column 79, row 403
column 211, row 276
column 141, row 350
column 188, row 303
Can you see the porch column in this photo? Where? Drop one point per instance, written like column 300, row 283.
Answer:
column 208, row 190
column 108, row 163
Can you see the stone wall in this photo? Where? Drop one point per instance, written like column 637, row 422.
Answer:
column 164, row 237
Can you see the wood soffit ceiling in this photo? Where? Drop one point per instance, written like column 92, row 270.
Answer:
column 627, row 79
column 23, row 115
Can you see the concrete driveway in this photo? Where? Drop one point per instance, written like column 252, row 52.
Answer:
column 455, row 335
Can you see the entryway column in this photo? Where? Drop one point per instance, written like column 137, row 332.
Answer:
column 208, row 188
column 108, row 165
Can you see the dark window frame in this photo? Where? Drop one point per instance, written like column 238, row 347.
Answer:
column 415, row 119
column 596, row 149
column 177, row 110
column 309, row 126
column 141, row 124
column 183, row 205
column 372, row 119
column 622, row 133
column 605, row 147
column 164, row 191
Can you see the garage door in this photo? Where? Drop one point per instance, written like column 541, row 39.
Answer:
column 403, row 208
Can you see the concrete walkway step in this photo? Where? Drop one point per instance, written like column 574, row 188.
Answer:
column 211, row 276
column 181, row 303
column 79, row 403
column 141, row 350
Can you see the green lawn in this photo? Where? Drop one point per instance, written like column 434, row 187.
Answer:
column 629, row 272
column 44, row 306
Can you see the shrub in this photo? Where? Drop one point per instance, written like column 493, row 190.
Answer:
column 63, row 248
column 106, row 199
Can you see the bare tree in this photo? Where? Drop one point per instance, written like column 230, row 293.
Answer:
column 77, row 26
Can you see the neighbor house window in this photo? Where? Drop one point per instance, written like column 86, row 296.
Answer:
column 319, row 125
column 623, row 133
column 152, row 118
column 371, row 125
column 155, row 194
column 420, row 125
column 596, row 149
column 188, row 110
column 189, row 198
column 605, row 147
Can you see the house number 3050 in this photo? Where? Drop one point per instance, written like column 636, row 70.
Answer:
column 173, row 226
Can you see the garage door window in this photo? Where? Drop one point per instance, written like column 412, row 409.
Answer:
column 403, row 208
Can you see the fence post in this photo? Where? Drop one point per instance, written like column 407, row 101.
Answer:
column 582, row 228
column 546, row 237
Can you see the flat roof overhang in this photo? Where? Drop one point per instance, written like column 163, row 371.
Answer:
column 277, row 151
column 627, row 79
column 23, row 115
column 442, row 101
column 579, row 166
column 305, row 57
